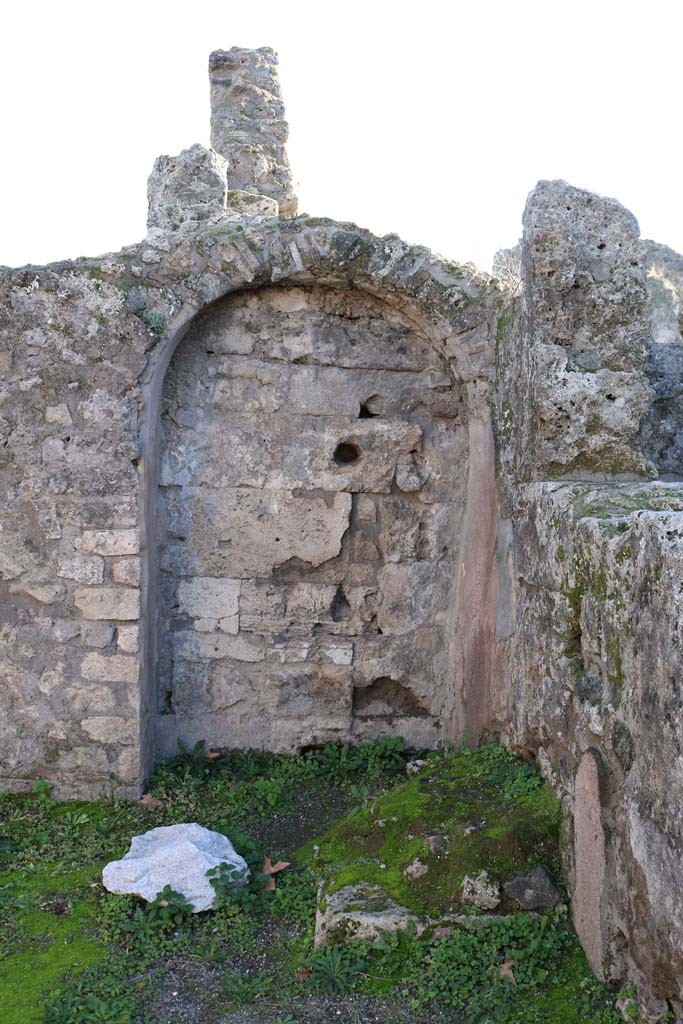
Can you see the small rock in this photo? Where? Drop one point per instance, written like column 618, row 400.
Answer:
column 175, row 855
column 416, row 870
column 481, row 891
column 356, row 912
column 415, row 767
column 437, row 844
column 532, row 891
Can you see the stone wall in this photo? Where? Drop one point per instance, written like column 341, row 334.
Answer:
column 70, row 527
column 313, row 479
column 596, row 663
column 85, row 351
column 589, row 657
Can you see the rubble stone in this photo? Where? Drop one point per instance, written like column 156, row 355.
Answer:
column 176, row 855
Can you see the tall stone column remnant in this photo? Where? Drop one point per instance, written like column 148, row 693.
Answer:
column 248, row 124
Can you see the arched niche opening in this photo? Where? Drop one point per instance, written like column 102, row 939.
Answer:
column 313, row 469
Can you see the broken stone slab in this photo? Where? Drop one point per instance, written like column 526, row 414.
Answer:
column 364, row 911
column 175, row 855
column 361, row 911
column 480, row 891
column 532, row 891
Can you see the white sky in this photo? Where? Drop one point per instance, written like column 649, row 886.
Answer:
column 430, row 119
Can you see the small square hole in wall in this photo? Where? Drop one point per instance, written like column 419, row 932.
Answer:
column 346, row 453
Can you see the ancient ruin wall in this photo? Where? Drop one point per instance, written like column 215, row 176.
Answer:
column 135, row 393
column 590, row 574
column 85, row 350
column 313, row 478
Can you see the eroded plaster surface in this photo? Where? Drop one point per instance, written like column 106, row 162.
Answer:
column 313, row 478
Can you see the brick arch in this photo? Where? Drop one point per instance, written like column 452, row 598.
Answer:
column 453, row 309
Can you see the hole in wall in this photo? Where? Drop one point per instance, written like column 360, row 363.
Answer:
column 385, row 698
column 370, row 408
column 341, row 609
column 346, row 453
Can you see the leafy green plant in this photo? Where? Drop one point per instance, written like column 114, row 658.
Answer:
column 394, row 951
column 154, row 321
column 226, row 879
column 368, row 761
column 74, row 819
column 232, row 929
column 246, row 765
column 335, row 969
column 43, row 789
column 230, row 883
column 168, row 910
column 243, row 989
column 484, row 972
column 295, row 896
column 103, row 995
column 192, row 760
column 10, row 899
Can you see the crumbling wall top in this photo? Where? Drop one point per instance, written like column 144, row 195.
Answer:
column 248, row 124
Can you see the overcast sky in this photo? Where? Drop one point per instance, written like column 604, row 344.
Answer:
column 429, row 119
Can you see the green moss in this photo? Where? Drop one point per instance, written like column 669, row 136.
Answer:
column 496, row 813
column 615, row 670
column 573, row 589
column 500, row 328
column 55, row 935
column 619, row 501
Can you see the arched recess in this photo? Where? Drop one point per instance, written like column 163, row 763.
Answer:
column 372, row 457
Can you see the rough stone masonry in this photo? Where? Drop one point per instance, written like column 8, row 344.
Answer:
column 270, row 480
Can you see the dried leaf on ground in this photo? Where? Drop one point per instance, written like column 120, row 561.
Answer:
column 505, row 971
column 150, row 801
column 271, row 869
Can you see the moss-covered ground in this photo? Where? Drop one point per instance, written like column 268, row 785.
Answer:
column 70, row 953
column 482, row 809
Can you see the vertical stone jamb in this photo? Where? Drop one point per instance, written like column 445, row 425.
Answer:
column 590, row 862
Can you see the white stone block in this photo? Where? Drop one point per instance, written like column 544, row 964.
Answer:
column 207, row 597
column 81, row 568
column 175, row 855
column 127, row 572
column 110, row 542
column 108, row 603
column 117, row 668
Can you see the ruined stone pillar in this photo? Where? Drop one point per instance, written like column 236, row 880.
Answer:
column 586, row 329
column 248, row 124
